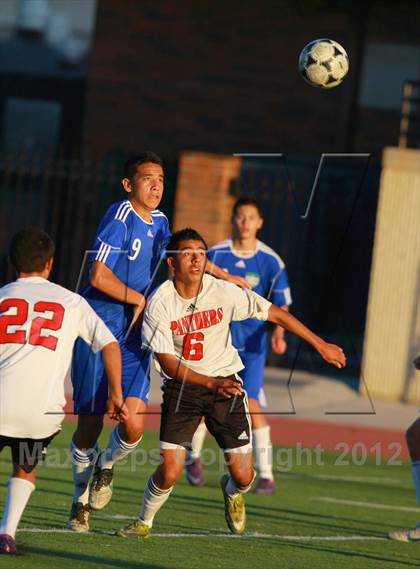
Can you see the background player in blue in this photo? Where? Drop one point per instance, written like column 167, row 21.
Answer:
column 128, row 246
column 246, row 256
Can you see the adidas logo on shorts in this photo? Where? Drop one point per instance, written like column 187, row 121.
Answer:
column 243, row 436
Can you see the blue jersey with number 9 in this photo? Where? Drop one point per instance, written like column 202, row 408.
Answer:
column 132, row 248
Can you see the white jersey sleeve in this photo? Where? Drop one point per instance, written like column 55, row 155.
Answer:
column 156, row 331
column 247, row 304
column 92, row 328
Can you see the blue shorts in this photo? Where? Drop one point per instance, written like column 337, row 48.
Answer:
column 253, row 373
column 90, row 384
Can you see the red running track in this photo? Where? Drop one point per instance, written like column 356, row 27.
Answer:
column 308, row 434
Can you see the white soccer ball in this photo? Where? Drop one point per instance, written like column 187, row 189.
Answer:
column 323, row 63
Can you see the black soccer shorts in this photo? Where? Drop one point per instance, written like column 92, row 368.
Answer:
column 183, row 406
column 26, row 452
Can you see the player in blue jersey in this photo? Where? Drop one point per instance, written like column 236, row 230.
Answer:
column 130, row 241
column 246, row 256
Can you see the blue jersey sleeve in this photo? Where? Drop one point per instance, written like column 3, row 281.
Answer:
column 164, row 237
column 217, row 256
column 280, row 290
column 111, row 242
column 167, row 234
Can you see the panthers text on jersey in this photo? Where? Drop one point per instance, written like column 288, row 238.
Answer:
column 197, row 330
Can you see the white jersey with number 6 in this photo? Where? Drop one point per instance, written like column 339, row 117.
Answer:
column 39, row 323
column 197, row 329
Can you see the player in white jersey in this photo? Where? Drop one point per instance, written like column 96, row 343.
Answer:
column 39, row 323
column 186, row 326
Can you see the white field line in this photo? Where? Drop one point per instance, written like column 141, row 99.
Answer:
column 349, row 478
column 248, row 535
column 371, row 505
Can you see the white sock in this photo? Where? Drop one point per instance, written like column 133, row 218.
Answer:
column 263, row 451
column 197, row 441
column 19, row 492
column 82, row 462
column 416, row 477
column 153, row 500
column 116, row 450
column 233, row 490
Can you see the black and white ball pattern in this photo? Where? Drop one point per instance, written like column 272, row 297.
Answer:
column 323, row 63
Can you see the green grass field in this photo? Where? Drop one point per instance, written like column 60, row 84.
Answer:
column 321, row 517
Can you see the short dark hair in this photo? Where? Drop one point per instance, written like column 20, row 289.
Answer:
column 30, row 249
column 183, row 235
column 246, row 201
column 132, row 163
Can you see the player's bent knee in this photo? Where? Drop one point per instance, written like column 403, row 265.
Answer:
column 245, row 478
column 167, row 475
column 171, row 478
column 132, row 433
column 89, row 423
column 172, row 465
column 89, row 428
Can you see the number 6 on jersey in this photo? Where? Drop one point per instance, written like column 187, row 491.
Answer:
column 193, row 346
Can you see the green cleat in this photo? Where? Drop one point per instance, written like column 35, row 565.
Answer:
column 136, row 529
column 235, row 513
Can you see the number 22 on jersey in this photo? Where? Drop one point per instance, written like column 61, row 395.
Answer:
column 19, row 317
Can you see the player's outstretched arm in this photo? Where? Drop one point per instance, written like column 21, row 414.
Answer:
column 330, row 352
column 107, row 282
column 278, row 343
column 116, row 407
column 219, row 273
column 172, row 367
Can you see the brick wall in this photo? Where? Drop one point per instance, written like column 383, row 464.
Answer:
column 222, row 76
column 202, row 198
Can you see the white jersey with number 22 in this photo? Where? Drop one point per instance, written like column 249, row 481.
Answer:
column 39, row 323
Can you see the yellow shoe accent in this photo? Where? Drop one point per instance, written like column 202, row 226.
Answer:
column 235, row 513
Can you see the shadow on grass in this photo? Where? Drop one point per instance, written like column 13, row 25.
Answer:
column 282, row 515
column 102, row 561
column 347, row 554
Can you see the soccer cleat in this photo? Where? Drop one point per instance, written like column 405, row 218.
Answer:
column 79, row 517
column 265, row 486
column 7, row 544
column 194, row 472
column 101, row 489
column 136, row 529
column 235, row 514
column 407, row 535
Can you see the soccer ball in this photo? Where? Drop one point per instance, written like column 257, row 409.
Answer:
column 323, row 63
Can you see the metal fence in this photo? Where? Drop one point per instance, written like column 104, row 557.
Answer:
column 67, row 196
column 328, row 251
